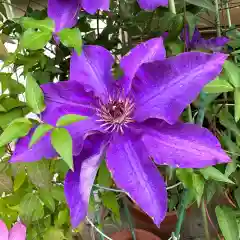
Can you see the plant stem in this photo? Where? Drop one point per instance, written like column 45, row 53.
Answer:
column 228, row 15
column 201, row 110
column 218, row 25
column 172, row 7
column 181, row 214
column 205, row 221
column 129, row 219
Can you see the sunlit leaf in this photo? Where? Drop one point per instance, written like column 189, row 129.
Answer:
column 71, row 38
column 34, row 95
column 16, row 129
column 5, row 183
column 69, row 119
column 62, row 142
column 39, row 132
column 46, row 24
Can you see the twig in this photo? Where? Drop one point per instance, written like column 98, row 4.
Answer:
column 99, row 231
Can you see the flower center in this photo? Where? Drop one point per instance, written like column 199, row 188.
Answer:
column 116, row 114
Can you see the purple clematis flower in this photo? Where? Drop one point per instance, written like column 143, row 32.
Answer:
column 130, row 122
column 197, row 42
column 65, row 12
column 18, row 232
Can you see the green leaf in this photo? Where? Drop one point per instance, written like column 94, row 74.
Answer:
column 35, row 40
column 237, row 196
column 46, row 24
column 62, row 142
column 109, row 200
column 207, row 4
column 71, row 38
column 58, row 193
column 69, row 119
column 218, row 85
column 104, row 176
column 34, row 95
column 6, row 118
column 31, row 208
column 5, row 183
column 227, row 223
column 47, row 199
column 2, row 109
column 17, row 128
column 237, row 104
column 38, row 173
column 63, row 217
column 39, row 132
column 54, row 233
column 198, row 186
column 19, row 179
column 227, row 120
column 214, row 174
column 185, row 176
column 232, row 71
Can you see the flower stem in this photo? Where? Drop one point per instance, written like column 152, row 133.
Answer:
column 172, row 7
column 217, row 16
column 201, row 110
column 205, row 221
column 181, row 214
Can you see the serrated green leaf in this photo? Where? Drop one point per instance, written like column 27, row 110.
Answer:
column 35, row 40
column 227, row 223
column 237, row 104
column 198, row 186
column 47, row 199
column 19, row 179
column 62, row 142
column 39, row 132
column 104, row 176
column 214, row 174
column 46, row 24
column 5, row 183
column 218, row 85
column 31, row 208
column 69, row 119
column 39, row 174
column 207, row 4
column 34, row 95
column 71, row 38
column 2, row 109
column 16, row 129
column 227, row 120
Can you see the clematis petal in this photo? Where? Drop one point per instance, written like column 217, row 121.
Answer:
column 66, row 98
column 92, row 6
column 190, row 42
column 149, row 51
column 42, row 149
column 93, row 69
column 182, row 145
column 78, row 184
column 18, row 232
column 3, row 231
column 133, row 171
column 63, row 12
column 214, row 44
column 164, row 88
column 152, row 4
